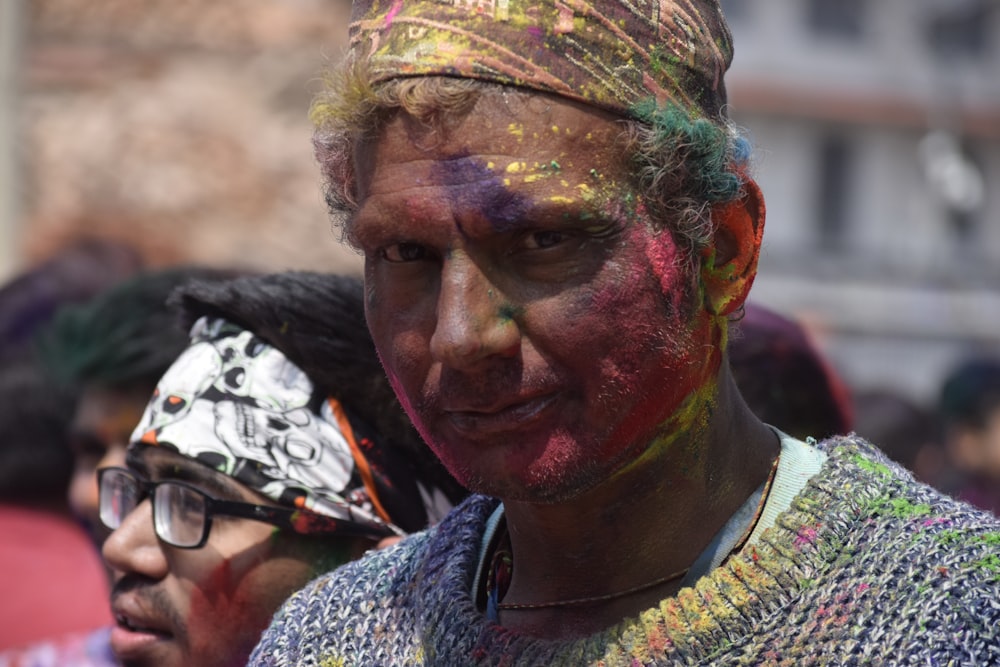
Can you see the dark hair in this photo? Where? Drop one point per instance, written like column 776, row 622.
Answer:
column 971, row 393
column 784, row 379
column 74, row 275
column 126, row 336
column 318, row 322
column 35, row 459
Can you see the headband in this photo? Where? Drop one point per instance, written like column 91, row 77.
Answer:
column 238, row 405
column 609, row 53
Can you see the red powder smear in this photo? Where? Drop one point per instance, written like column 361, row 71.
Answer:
column 217, row 584
column 862, row 588
column 662, row 256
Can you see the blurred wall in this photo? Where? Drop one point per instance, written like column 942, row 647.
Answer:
column 179, row 126
column 10, row 51
column 876, row 125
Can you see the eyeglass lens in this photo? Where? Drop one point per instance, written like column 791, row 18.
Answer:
column 119, row 494
column 179, row 514
column 178, row 511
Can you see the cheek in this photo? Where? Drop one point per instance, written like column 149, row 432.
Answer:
column 668, row 267
column 231, row 607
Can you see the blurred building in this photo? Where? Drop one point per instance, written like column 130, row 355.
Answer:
column 178, row 126
column 877, row 128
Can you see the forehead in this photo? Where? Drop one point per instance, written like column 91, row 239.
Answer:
column 518, row 142
column 159, row 463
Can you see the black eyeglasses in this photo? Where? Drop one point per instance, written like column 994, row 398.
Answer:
column 182, row 514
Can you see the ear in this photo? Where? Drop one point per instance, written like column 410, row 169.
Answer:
column 729, row 262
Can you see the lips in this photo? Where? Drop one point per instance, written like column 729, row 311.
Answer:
column 136, row 630
column 500, row 416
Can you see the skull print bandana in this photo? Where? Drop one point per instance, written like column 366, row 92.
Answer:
column 238, row 405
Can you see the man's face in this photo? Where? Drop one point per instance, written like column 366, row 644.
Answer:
column 207, row 606
column 100, row 432
column 537, row 325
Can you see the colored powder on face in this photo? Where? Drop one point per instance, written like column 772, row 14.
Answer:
column 478, row 188
column 508, row 312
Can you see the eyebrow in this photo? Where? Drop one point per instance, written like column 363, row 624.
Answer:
column 217, row 484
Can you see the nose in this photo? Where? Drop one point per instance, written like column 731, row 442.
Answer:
column 133, row 548
column 475, row 321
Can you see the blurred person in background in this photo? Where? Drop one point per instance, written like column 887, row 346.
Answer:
column 969, row 405
column 784, row 378
column 51, row 579
column 908, row 432
column 73, row 275
column 108, row 353
column 112, row 350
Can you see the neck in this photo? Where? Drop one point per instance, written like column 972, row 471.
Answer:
column 651, row 520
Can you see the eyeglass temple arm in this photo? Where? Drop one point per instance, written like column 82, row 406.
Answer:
column 303, row 522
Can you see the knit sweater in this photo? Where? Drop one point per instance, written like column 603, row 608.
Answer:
column 865, row 567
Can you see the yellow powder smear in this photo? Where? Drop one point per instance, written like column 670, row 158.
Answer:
column 515, row 167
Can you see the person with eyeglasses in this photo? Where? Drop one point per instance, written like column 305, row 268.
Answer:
column 271, row 451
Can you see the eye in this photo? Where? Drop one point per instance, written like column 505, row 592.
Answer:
column 544, row 239
column 404, row 252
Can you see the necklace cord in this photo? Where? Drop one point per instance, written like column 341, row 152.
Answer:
column 502, row 565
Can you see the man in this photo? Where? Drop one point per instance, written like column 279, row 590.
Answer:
column 263, row 458
column 557, row 225
column 112, row 350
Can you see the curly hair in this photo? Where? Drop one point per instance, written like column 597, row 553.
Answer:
column 681, row 163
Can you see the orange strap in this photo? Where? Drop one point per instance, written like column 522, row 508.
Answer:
column 359, row 458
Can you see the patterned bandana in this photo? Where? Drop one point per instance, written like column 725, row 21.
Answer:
column 609, row 53
column 238, row 405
